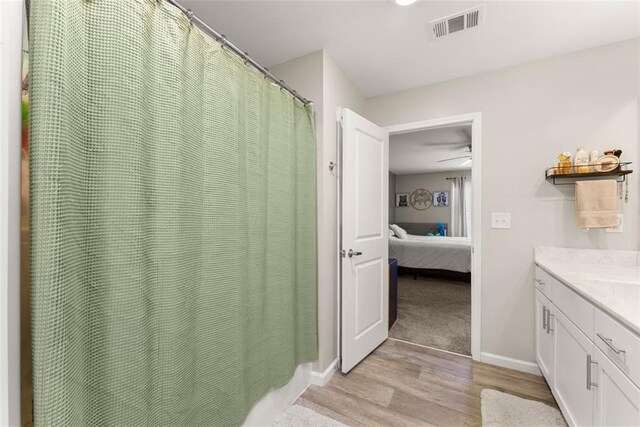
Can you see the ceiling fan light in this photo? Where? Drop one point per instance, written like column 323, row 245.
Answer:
column 405, row 2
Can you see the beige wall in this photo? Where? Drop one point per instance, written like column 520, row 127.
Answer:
column 530, row 113
column 317, row 77
column 433, row 182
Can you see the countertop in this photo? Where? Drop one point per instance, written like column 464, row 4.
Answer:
column 610, row 280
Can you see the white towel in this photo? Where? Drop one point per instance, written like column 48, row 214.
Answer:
column 597, row 204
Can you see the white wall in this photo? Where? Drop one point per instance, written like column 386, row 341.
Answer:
column 436, row 181
column 530, row 113
column 317, row 77
column 10, row 163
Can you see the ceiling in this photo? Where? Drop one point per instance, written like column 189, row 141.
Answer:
column 419, row 152
column 384, row 48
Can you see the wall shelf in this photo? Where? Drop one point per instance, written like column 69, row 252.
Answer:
column 569, row 175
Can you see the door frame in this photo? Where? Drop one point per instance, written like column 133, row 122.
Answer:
column 475, row 119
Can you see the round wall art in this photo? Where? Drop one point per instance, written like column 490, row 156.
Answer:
column 421, row 199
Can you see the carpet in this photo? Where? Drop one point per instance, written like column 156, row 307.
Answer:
column 299, row 416
column 502, row 409
column 435, row 313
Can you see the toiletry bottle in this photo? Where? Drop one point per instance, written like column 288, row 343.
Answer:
column 593, row 157
column 581, row 161
column 564, row 163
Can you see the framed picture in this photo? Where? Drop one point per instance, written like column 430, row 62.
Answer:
column 421, row 199
column 402, row 200
column 441, row 199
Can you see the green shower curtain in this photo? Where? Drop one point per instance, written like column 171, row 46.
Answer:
column 173, row 218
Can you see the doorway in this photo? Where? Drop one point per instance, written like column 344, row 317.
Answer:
column 459, row 159
column 350, row 304
column 430, row 204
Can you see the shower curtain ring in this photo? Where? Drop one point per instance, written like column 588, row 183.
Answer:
column 190, row 16
column 224, row 41
column 246, row 58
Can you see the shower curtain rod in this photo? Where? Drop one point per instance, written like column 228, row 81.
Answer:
column 220, row 38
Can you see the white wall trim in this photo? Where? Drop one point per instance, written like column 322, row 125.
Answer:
column 475, row 119
column 271, row 405
column 322, row 378
column 11, row 38
column 508, row 362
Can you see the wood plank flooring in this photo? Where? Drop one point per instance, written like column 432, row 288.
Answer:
column 401, row 384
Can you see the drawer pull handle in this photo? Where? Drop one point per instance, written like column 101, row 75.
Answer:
column 589, row 382
column 609, row 343
column 549, row 316
column 544, row 318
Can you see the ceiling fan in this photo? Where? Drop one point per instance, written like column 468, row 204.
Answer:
column 466, row 156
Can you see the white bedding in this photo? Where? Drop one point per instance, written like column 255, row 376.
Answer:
column 445, row 253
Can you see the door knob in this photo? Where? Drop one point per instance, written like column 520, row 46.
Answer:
column 352, row 253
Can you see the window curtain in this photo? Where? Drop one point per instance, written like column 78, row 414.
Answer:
column 173, row 218
column 460, row 207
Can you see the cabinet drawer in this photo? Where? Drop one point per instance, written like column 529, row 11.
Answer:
column 574, row 307
column 620, row 344
column 544, row 282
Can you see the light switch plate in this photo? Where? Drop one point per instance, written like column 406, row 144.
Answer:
column 501, row 220
column 619, row 228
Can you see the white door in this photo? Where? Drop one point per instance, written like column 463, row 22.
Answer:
column 544, row 336
column 574, row 372
column 617, row 398
column 364, row 241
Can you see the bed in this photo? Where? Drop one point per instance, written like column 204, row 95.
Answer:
column 432, row 252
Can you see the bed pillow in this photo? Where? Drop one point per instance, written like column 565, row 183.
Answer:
column 391, row 233
column 398, row 231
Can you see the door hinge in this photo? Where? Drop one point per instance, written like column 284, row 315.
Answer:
column 343, row 253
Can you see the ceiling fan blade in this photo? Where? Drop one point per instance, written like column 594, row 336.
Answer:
column 446, row 144
column 454, row 158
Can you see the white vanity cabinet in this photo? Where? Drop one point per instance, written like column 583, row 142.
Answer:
column 589, row 360
column 617, row 401
column 573, row 382
column 544, row 335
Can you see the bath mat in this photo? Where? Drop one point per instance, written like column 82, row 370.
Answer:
column 502, row 409
column 299, row 416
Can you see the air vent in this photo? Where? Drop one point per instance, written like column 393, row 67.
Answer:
column 456, row 22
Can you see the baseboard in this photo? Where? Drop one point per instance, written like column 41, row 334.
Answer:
column 322, row 378
column 508, row 362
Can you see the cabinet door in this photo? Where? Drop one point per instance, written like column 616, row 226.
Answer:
column 573, row 370
column 617, row 398
column 544, row 337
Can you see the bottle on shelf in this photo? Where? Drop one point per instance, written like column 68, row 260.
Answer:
column 581, row 161
column 564, row 163
column 594, row 155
